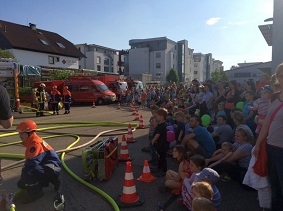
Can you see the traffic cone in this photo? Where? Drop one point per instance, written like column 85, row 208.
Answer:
column 130, row 138
column 141, row 125
column 119, row 106
column 137, row 118
column 93, row 105
column 132, row 107
column 124, row 152
column 134, row 112
column 129, row 197
column 146, row 175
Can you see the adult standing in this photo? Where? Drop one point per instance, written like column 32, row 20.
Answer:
column 55, row 99
column 66, row 98
column 274, row 149
column 40, row 99
column 6, row 117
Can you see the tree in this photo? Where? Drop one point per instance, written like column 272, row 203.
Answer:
column 219, row 75
column 6, row 54
column 60, row 74
column 172, row 76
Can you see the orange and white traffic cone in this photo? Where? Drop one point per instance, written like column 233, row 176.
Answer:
column 129, row 197
column 137, row 118
column 124, row 152
column 132, row 107
column 93, row 105
column 146, row 175
column 141, row 125
column 119, row 106
column 130, row 138
column 134, row 112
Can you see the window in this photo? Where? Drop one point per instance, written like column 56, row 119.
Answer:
column 84, row 88
column 173, row 56
column 158, row 65
column 60, row 45
column 106, row 61
column 98, row 67
column 158, row 55
column 73, row 88
column 195, row 72
column 106, row 69
column 44, row 42
column 57, row 59
column 98, row 60
column 195, row 64
column 50, row 59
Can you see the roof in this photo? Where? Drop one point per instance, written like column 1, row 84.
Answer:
column 266, row 31
column 29, row 38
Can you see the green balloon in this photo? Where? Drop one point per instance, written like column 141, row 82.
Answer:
column 240, row 105
column 205, row 120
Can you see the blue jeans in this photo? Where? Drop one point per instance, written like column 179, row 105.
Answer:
column 275, row 174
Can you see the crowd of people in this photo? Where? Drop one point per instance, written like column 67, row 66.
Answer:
column 224, row 148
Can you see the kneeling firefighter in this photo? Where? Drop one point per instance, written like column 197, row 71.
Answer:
column 42, row 165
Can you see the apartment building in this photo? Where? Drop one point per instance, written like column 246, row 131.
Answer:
column 203, row 66
column 157, row 56
column 99, row 58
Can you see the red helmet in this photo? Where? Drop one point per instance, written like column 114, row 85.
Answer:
column 66, row 87
column 26, row 126
column 54, row 87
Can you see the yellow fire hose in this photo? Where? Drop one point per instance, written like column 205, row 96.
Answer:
column 70, row 148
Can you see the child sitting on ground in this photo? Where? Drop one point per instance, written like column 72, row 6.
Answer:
column 202, row 189
column 220, row 155
column 202, row 204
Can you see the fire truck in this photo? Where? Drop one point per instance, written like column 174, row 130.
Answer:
column 9, row 72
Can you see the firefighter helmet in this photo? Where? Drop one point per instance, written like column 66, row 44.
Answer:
column 54, row 87
column 26, row 126
column 42, row 85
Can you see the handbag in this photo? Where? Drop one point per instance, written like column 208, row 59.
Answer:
column 260, row 166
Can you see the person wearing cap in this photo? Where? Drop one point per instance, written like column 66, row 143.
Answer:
column 6, row 116
column 261, row 106
column 40, row 99
column 237, row 164
column 42, row 164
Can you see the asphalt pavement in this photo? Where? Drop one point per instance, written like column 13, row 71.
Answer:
column 79, row 197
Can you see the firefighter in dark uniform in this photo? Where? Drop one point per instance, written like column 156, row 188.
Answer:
column 55, row 99
column 40, row 97
column 42, row 164
column 66, row 98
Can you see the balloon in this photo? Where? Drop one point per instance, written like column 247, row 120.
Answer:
column 170, row 136
column 240, row 105
column 205, row 120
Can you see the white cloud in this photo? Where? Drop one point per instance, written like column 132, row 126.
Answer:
column 212, row 21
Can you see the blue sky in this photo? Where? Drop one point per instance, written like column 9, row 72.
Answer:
column 226, row 28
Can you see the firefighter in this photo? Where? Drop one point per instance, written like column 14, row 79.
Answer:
column 55, row 99
column 42, row 165
column 66, row 98
column 40, row 99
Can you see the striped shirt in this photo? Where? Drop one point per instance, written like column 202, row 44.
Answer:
column 247, row 150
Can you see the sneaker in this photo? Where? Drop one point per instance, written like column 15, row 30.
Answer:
column 31, row 198
column 66, row 112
